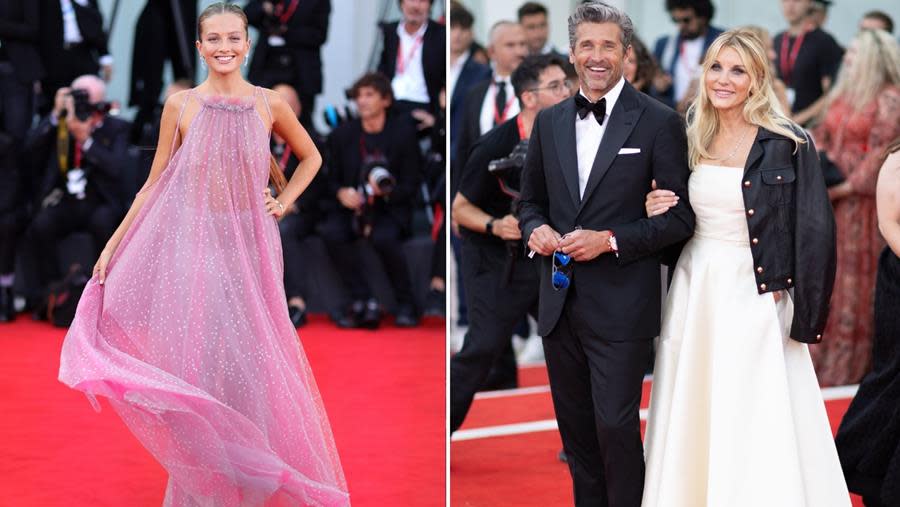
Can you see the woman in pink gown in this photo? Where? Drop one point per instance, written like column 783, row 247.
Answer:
column 184, row 326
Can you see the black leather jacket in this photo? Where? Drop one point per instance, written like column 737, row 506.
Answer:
column 791, row 225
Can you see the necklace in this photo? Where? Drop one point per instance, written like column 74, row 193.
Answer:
column 736, row 147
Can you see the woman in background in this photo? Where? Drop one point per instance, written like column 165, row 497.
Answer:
column 860, row 120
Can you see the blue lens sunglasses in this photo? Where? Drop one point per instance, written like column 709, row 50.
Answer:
column 561, row 269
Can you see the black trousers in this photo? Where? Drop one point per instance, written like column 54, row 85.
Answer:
column 387, row 238
column 294, row 229
column 496, row 306
column 54, row 223
column 16, row 100
column 596, row 388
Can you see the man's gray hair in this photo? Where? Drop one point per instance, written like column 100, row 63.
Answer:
column 599, row 12
column 496, row 27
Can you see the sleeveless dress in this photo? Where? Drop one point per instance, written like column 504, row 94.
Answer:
column 189, row 338
column 736, row 415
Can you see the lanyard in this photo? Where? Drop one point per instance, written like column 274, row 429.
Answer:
column 284, row 158
column 522, row 135
column 500, row 117
column 787, row 61
column 285, row 14
column 403, row 62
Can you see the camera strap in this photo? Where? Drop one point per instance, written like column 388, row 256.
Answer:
column 519, row 124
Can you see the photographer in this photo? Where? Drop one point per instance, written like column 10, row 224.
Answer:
column 373, row 173
column 81, row 151
column 291, row 36
column 501, row 284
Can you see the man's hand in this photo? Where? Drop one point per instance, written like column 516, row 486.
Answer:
column 106, row 72
column 80, row 130
column 840, row 191
column 424, row 118
column 61, row 101
column 544, row 240
column 584, row 245
column 507, row 228
column 350, row 198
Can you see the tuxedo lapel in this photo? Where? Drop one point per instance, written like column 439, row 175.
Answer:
column 622, row 120
column 564, row 137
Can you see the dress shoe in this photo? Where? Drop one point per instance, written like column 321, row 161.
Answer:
column 435, row 303
column 371, row 316
column 406, row 317
column 7, row 305
column 298, row 315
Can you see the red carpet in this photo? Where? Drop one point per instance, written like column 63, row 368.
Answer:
column 384, row 392
column 521, row 468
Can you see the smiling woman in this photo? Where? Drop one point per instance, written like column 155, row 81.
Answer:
column 193, row 345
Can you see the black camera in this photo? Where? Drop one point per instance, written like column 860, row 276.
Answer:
column 84, row 108
column 376, row 172
column 508, row 170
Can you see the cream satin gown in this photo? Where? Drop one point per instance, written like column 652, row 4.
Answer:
column 736, row 415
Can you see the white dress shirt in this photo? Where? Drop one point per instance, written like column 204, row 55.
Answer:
column 410, row 84
column 488, row 106
column 456, row 69
column 589, row 134
column 71, row 32
column 687, row 67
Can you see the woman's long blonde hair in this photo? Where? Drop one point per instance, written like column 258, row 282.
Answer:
column 761, row 108
column 876, row 64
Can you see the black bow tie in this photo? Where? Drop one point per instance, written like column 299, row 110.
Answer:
column 585, row 106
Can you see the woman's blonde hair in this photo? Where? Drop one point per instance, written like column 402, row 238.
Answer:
column 876, row 64
column 761, row 108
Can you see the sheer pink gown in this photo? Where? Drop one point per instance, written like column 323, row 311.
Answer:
column 189, row 338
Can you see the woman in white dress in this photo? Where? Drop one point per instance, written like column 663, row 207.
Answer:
column 736, row 414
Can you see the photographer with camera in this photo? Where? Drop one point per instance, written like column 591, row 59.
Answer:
column 291, row 35
column 501, row 284
column 81, row 150
column 373, row 173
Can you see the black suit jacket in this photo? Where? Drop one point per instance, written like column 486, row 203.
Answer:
column 20, row 24
column 469, row 130
column 90, row 23
column 471, row 74
column 307, row 32
column 619, row 297
column 103, row 163
column 433, row 57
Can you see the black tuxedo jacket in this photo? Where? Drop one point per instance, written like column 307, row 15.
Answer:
column 103, row 162
column 90, row 23
column 471, row 74
column 307, row 32
column 618, row 296
column 434, row 57
column 20, row 24
column 469, row 129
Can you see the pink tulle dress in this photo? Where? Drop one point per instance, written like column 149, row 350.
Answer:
column 189, row 338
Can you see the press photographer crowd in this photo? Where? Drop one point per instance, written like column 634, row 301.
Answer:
column 370, row 224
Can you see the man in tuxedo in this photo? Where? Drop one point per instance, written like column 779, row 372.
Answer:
column 81, row 151
column 590, row 162
column 291, row 35
column 20, row 69
column 72, row 44
column 414, row 58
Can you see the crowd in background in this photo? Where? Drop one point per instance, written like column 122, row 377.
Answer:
column 848, row 99
column 71, row 165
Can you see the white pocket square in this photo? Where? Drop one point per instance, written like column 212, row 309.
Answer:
column 629, row 151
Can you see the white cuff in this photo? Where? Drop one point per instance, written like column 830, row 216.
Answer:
column 87, row 144
column 106, row 60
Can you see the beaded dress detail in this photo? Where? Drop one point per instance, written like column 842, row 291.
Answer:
column 189, row 338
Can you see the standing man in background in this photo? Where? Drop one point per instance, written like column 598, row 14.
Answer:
column 679, row 56
column 291, row 35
